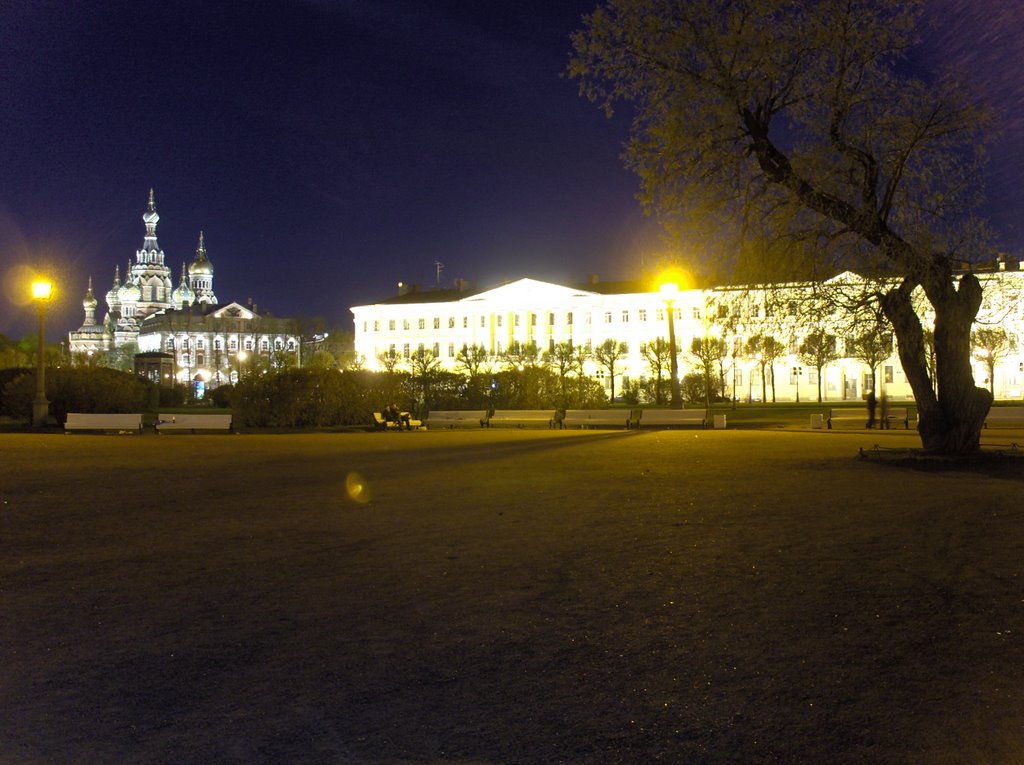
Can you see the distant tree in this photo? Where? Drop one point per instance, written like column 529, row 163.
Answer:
column 321, row 359
column 424, row 368
column 561, row 360
column 796, row 131
column 991, row 344
column 707, row 353
column 388, row 360
column 658, row 355
column 818, row 350
column 608, row 354
column 872, row 347
column 765, row 349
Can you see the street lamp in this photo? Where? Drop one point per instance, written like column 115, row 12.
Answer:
column 41, row 291
column 669, row 292
column 797, row 371
column 242, row 355
column 735, row 342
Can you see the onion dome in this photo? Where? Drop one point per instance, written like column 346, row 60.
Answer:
column 129, row 292
column 151, row 217
column 112, row 299
column 183, row 293
column 89, row 302
column 201, row 265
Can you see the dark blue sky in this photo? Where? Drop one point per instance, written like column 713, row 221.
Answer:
column 331, row 149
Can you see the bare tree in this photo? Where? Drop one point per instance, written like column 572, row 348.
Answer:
column 818, row 350
column 765, row 349
column 608, row 354
column 992, row 344
column 658, row 355
column 792, row 134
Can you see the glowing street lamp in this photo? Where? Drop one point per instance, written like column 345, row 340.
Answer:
column 242, row 356
column 41, row 291
column 669, row 293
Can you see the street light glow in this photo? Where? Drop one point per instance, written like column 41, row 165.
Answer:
column 41, row 289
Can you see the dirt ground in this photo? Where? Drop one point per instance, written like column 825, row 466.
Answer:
column 506, row 597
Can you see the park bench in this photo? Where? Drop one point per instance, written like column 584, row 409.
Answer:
column 897, row 415
column 190, row 423
column 106, row 423
column 596, row 418
column 1007, row 416
column 522, row 418
column 381, row 424
column 457, row 419
column 669, row 418
column 850, row 416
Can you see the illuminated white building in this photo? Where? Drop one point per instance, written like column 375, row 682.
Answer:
column 145, row 314
column 529, row 311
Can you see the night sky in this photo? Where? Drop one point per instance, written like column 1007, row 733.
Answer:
column 329, row 150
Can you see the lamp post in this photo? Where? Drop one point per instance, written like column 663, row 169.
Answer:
column 735, row 342
column 41, row 291
column 670, row 291
column 241, row 362
column 797, row 371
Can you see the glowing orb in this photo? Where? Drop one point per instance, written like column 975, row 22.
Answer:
column 357, row 488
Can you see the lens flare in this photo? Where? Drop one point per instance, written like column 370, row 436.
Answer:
column 357, row 488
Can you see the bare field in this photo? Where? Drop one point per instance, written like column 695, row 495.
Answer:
column 506, row 597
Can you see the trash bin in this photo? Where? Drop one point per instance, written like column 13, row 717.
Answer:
column 817, row 421
column 719, row 421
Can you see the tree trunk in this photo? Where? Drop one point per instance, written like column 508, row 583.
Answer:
column 952, row 412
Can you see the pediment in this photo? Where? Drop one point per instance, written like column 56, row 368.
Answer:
column 233, row 311
column 529, row 292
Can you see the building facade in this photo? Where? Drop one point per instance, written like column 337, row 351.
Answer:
column 529, row 311
column 209, row 343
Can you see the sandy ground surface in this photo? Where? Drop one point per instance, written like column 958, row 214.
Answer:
column 506, row 597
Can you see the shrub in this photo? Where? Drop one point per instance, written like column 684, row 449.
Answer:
column 78, row 389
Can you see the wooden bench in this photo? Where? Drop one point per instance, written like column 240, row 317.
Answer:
column 522, row 418
column 896, row 415
column 457, row 419
column 117, row 423
column 851, row 416
column 596, row 418
column 190, row 423
column 1007, row 416
column 381, row 424
column 669, row 418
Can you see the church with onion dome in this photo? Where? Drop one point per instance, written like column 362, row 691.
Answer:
column 195, row 339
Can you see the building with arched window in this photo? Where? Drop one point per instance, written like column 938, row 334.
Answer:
column 207, row 341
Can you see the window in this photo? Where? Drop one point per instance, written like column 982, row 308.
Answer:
column 696, row 312
column 184, row 359
column 568, row 318
column 483, row 322
column 200, row 345
column 517, row 320
column 888, row 374
column 264, row 345
column 465, row 322
column 812, row 375
column 437, row 322
column 366, row 326
column 551, row 320
column 217, row 344
column 405, row 324
column 391, row 325
column 200, row 358
column 499, row 320
column 451, row 322
column 376, row 326
column 277, row 344
column 437, row 350
column 421, row 324
column 607, row 317
column 451, row 350
column 659, row 314
column 678, row 314
column 625, row 317
column 533, row 320
column 233, row 345
column 248, row 344
column 642, row 314
column 405, row 351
